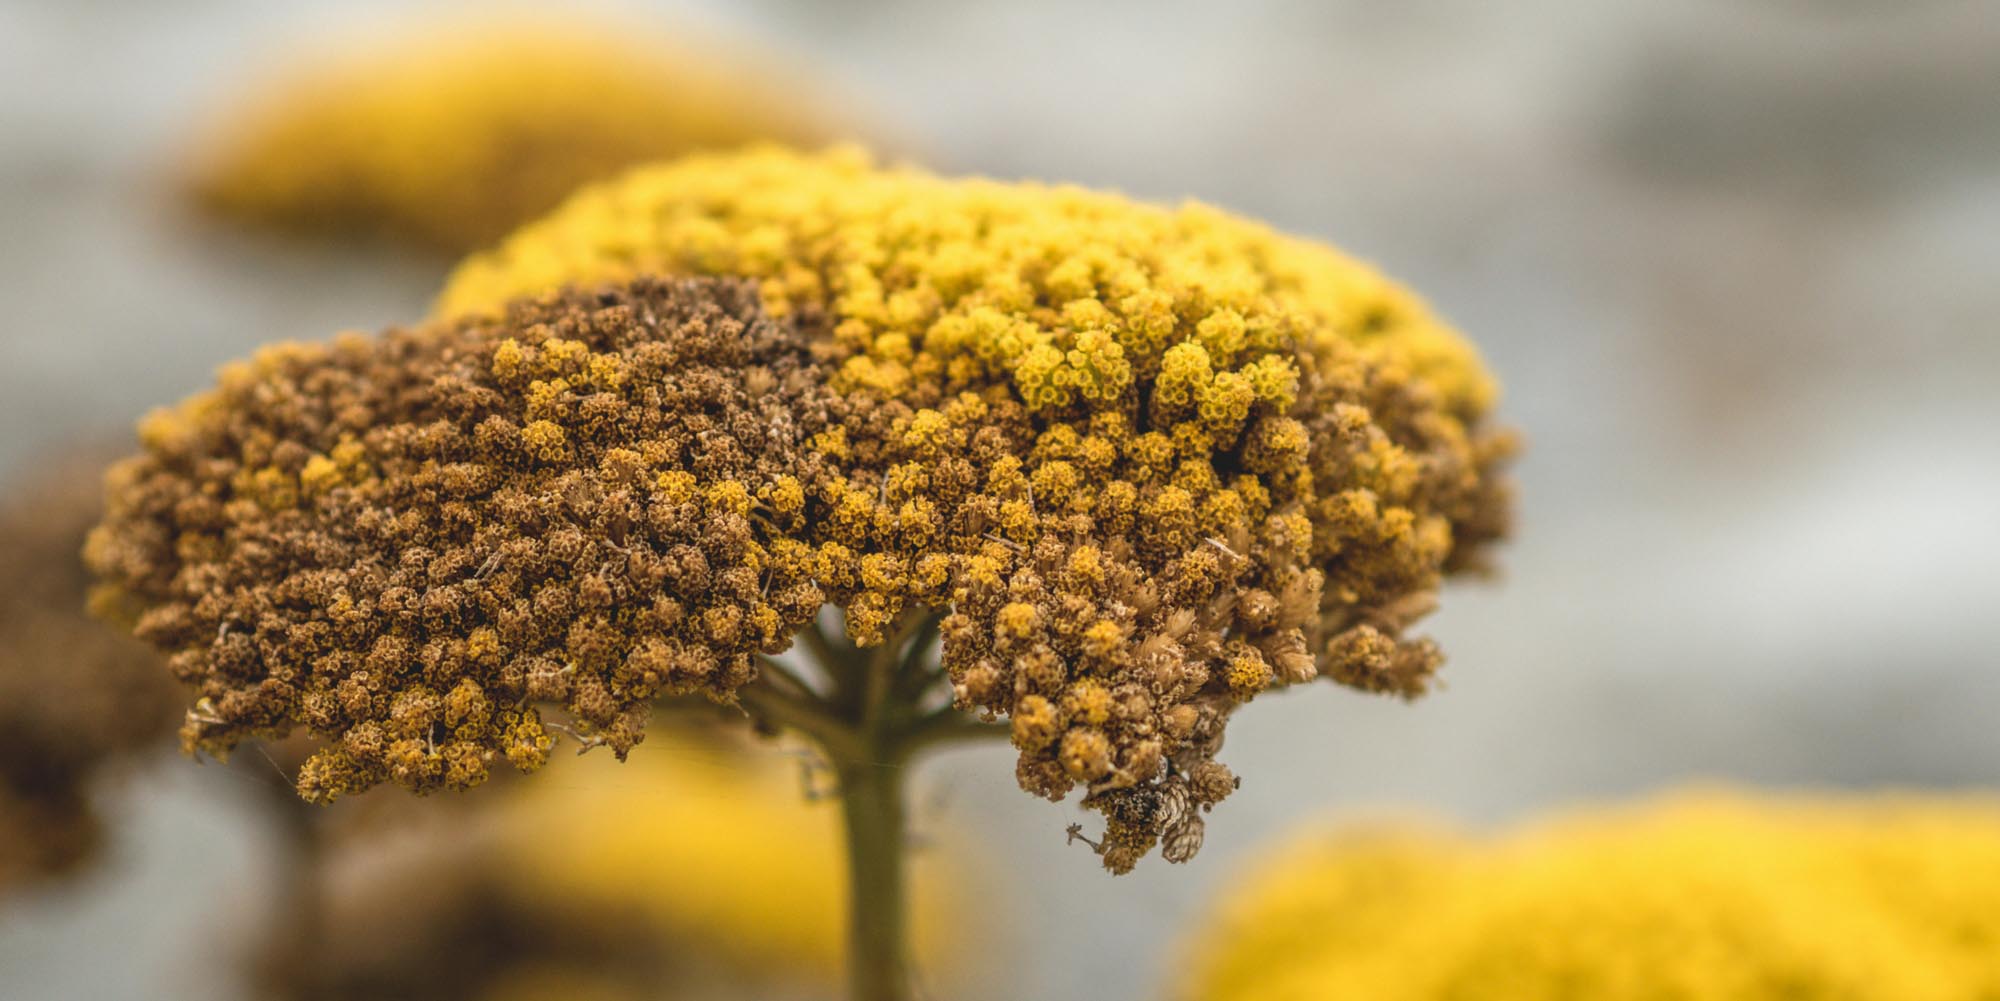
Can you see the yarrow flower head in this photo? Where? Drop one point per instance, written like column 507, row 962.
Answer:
column 75, row 700
column 1133, row 465
column 450, row 138
column 1697, row 896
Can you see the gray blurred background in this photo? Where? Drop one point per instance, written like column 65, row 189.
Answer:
column 1737, row 262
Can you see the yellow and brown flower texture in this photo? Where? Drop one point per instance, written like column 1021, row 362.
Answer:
column 450, row 139
column 76, row 699
column 1136, row 464
column 1699, row 895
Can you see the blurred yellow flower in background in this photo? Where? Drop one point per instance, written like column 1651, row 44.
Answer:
column 454, row 135
column 709, row 841
column 699, row 868
column 1700, row 895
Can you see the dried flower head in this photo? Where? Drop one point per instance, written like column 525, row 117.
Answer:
column 1694, row 897
column 1150, row 462
column 1136, row 465
column 451, row 138
column 407, row 543
column 75, row 698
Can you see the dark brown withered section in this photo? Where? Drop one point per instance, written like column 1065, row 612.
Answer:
column 405, row 543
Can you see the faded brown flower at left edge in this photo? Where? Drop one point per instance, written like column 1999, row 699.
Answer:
column 76, row 699
column 409, row 545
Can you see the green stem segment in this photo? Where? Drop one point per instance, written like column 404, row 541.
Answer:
column 871, row 800
column 870, row 727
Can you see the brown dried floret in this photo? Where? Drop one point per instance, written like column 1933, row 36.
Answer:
column 75, row 697
column 405, row 543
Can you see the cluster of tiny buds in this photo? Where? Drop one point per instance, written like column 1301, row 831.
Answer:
column 413, row 545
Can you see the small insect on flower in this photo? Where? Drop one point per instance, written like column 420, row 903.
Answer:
column 1180, row 824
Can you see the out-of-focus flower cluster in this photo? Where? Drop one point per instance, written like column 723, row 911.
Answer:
column 451, row 139
column 694, row 870
column 1694, row 897
column 75, row 698
column 1142, row 464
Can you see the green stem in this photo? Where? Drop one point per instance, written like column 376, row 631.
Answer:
column 871, row 801
column 869, row 729
column 813, row 717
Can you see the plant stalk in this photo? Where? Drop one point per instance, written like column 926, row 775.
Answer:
column 871, row 801
column 868, row 730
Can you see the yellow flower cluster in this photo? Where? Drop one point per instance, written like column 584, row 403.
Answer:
column 1131, row 466
column 452, row 138
column 938, row 282
column 1696, row 897
column 1145, row 460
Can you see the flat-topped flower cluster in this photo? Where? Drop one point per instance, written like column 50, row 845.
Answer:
column 1135, row 466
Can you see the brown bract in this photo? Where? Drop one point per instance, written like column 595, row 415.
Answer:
column 75, row 697
column 406, row 543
